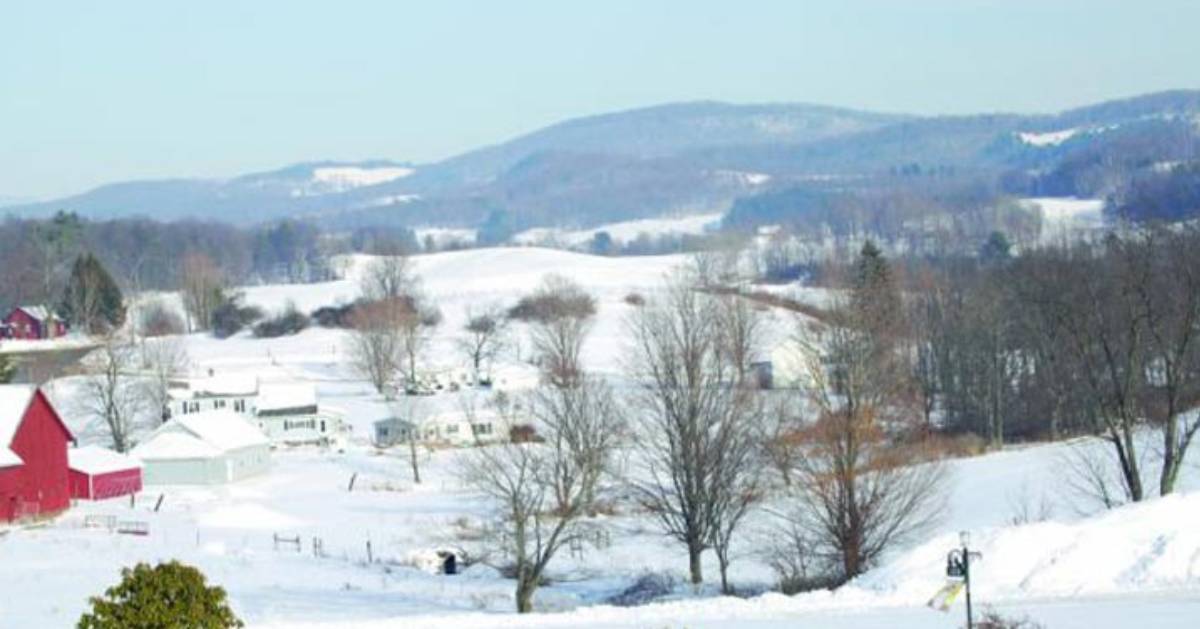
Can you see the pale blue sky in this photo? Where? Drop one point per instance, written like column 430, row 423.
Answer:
column 92, row 92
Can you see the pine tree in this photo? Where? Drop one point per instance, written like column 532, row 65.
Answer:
column 170, row 594
column 874, row 294
column 996, row 250
column 92, row 300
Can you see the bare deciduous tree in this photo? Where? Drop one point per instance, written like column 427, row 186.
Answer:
column 203, row 289
column 374, row 342
column 163, row 359
column 1170, row 299
column 559, row 329
column 111, row 393
column 387, row 277
column 740, row 325
column 696, row 420
column 483, row 338
column 1127, row 316
column 416, row 323
column 782, row 434
column 860, row 490
column 541, row 491
column 411, row 409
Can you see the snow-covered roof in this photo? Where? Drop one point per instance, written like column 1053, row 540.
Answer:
column 97, row 460
column 14, row 399
column 200, row 435
column 222, row 429
column 175, row 445
column 282, row 396
column 37, row 312
column 226, row 384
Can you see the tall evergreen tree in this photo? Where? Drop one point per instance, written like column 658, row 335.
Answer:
column 996, row 250
column 875, row 297
column 92, row 300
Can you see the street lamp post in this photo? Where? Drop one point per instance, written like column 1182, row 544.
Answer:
column 958, row 565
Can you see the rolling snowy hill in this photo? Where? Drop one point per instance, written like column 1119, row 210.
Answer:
column 682, row 158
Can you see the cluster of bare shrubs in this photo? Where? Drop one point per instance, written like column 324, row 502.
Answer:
column 555, row 299
column 290, row 321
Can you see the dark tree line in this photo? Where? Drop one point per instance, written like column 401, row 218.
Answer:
column 1093, row 338
column 925, row 216
column 142, row 254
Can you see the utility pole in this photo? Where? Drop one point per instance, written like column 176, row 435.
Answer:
column 958, row 565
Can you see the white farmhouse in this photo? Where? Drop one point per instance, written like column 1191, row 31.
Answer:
column 235, row 392
column 204, row 448
column 286, row 412
column 454, row 429
column 289, row 414
column 461, row 429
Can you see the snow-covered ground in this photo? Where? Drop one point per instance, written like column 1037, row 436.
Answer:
column 622, row 232
column 333, row 179
column 1046, row 139
column 1137, row 564
column 1065, row 218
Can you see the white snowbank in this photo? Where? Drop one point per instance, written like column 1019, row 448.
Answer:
column 1142, row 547
column 1052, row 138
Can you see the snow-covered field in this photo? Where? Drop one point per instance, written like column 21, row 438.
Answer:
column 1136, row 565
column 622, row 232
column 1064, row 218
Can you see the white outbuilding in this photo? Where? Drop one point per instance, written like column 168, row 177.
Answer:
column 205, row 448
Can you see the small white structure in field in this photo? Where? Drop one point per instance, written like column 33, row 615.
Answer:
column 391, row 431
column 789, row 366
column 434, row 560
column 235, row 392
column 289, row 413
column 207, row 448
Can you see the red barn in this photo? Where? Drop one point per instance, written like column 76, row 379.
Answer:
column 33, row 455
column 32, row 322
column 97, row 473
